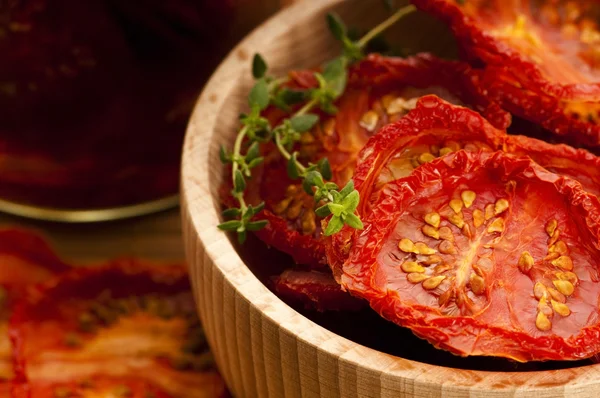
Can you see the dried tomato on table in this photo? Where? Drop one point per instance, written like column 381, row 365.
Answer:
column 380, row 91
column 25, row 258
column 540, row 58
column 123, row 325
column 436, row 128
column 484, row 254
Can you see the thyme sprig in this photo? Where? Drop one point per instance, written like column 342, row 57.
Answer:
column 341, row 204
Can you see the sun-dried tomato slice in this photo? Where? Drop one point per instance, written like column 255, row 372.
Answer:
column 380, row 90
column 540, row 58
column 575, row 121
column 551, row 46
column 123, row 320
column 25, row 258
column 484, row 254
column 315, row 290
column 435, row 128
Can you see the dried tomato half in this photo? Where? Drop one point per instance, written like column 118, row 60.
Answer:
column 436, row 128
column 550, row 46
column 124, row 320
column 25, row 258
column 575, row 121
column 380, row 90
column 484, row 254
column 315, row 290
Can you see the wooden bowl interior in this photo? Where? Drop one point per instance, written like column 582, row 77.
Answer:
column 262, row 346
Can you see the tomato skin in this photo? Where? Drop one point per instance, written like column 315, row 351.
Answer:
column 315, row 290
column 341, row 137
column 485, row 326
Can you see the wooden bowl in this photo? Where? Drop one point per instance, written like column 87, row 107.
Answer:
column 262, row 346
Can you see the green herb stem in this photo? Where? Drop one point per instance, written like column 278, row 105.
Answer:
column 307, row 107
column 237, row 148
column 395, row 17
column 302, row 111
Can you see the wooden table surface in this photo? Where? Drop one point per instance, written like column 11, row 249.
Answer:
column 156, row 237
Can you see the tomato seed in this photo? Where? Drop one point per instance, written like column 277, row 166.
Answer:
column 556, row 295
column 422, row 248
column 397, row 105
column 496, row 226
column 425, row 158
column 456, row 205
column 567, row 276
column 455, row 146
column 525, row 262
column 406, row 245
column 478, row 218
column 411, row 266
column 563, row 262
column 477, row 284
column 457, row 219
column 434, row 259
column 386, row 100
column 433, row 282
column 554, row 237
column 501, row 206
column 565, row 287
column 430, row 231
column 468, row 197
column 559, row 247
column 369, row 120
column 309, row 224
column 538, row 290
column 444, row 151
column 447, row 247
column 560, row 308
column 551, row 227
column 446, row 234
column 542, row 322
column 416, row 277
column 489, row 212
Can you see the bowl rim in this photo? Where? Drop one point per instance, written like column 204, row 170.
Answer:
column 198, row 205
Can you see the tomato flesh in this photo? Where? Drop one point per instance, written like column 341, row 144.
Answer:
column 484, row 254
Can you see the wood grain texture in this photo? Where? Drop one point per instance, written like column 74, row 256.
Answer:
column 263, row 347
